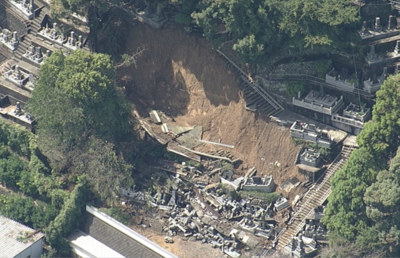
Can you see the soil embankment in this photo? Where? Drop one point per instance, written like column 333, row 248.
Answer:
column 182, row 76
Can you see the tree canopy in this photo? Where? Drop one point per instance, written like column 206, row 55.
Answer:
column 75, row 97
column 381, row 134
column 364, row 204
column 261, row 27
column 81, row 117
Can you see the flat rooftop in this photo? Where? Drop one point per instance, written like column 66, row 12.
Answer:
column 10, row 231
column 88, row 246
column 119, row 237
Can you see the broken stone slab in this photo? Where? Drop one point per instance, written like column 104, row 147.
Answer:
column 155, row 117
column 168, row 240
column 251, row 172
column 178, row 130
column 232, row 253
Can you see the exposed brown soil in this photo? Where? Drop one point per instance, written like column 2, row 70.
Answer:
column 181, row 248
column 181, row 75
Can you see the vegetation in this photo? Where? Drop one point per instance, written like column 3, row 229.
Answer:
column 83, row 126
column 83, row 119
column 117, row 214
column 291, row 23
column 68, row 218
column 26, row 210
column 84, row 123
column 292, row 88
column 322, row 67
column 364, row 204
column 268, row 197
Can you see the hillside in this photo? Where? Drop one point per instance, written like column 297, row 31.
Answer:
column 181, row 75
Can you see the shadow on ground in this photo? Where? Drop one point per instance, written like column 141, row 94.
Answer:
column 172, row 69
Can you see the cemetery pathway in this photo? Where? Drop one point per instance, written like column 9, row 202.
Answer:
column 314, row 198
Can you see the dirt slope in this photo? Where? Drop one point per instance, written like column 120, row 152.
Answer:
column 181, row 75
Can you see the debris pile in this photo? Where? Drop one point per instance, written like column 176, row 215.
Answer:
column 197, row 205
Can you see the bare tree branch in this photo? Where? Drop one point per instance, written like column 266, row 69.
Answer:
column 127, row 60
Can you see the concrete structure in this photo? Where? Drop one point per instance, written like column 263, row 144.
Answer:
column 61, row 34
column 265, row 184
column 20, row 77
column 309, row 164
column 377, row 31
column 301, row 246
column 35, row 55
column 374, row 84
column 373, row 58
column 102, row 230
column 9, row 39
column 15, row 113
column 309, row 132
column 340, row 81
column 310, row 157
column 281, row 203
column 226, row 178
column 19, row 241
column 319, row 102
column 353, row 118
column 24, row 8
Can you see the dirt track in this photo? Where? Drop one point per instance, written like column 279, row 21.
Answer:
column 181, row 75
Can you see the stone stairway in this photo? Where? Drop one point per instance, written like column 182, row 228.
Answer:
column 256, row 97
column 32, row 26
column 38, row 19
column 22, row 46
column 315, row 197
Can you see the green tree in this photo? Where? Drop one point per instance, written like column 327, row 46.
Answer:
column 106, row 169
column 264, row 27
column 81, row 118
column 382, row 201
column 27, row 211
column 68, row 218
column 381, row 135
column 75, row 97
column 345, row 212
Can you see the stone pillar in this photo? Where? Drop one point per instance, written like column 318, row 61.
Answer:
column 299, row 95
column 55, row 26
column 374, row 78
column 47, row 53
column 364, row 28
column 390, row 23
column 15, row 36
column 31, row 5
column 377, row 24
column 397, row 47
column 290, row 245
column 80, row 39
column 372, row 51
column 31, row 50
column 299, row 248
column 72, row 38
column 39, row 52
column 384, row 70
column 159, row 11
column 396, row 71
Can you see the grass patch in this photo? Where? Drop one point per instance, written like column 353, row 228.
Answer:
column 269, row 197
